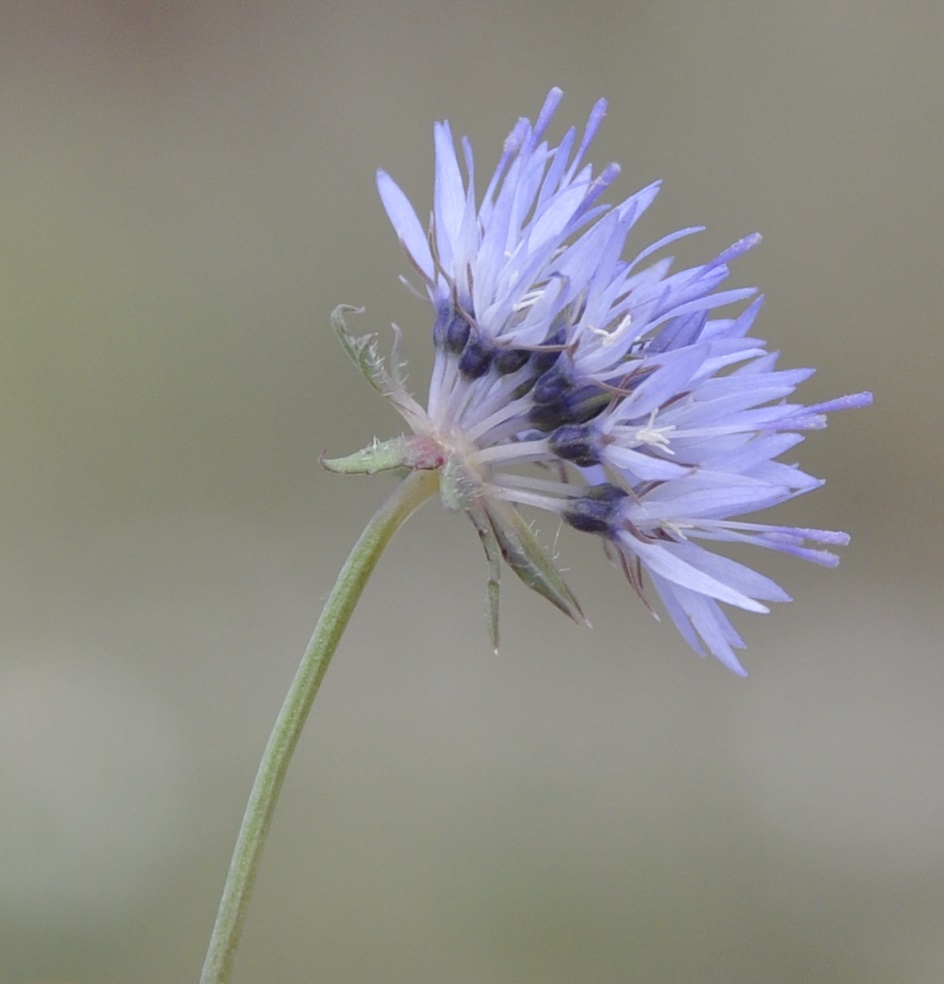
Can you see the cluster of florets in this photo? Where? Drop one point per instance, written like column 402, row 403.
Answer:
column 654, row 422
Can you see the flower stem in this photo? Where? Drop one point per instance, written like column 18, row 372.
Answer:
column 408, row 496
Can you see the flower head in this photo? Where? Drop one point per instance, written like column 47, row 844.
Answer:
column 654, row 420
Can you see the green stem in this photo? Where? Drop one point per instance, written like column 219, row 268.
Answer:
column 408, row 496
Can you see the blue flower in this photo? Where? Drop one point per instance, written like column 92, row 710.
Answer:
column 654, row 420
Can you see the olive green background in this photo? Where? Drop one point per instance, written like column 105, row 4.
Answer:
column 186, row 191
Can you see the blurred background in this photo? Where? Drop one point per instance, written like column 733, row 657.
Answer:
column 186, row 191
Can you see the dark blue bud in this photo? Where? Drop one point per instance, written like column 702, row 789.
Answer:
column 598, row 511
column 574, row 406
column 548, row 416
column 606, row 491
column 523, row 388
column 457, row 334
column 552, row 385
column 476, row 358
column 542, row 361
column 510, row 360
column 586, row 403
column 576, row 443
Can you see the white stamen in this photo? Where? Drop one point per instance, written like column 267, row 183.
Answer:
column 677, row 528
column 610, row 338
column 529, row 299
column 656, row 436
